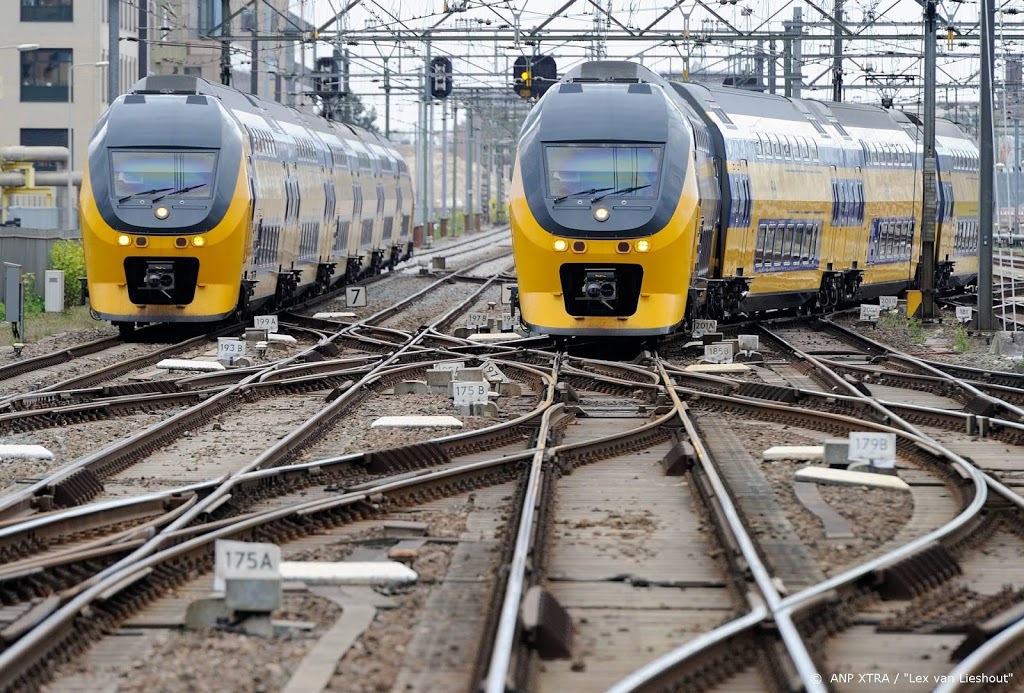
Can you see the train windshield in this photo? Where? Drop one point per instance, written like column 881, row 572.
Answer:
column 185, row 174
column 577, row 168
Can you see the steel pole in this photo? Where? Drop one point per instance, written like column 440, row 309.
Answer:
column 444, row 160
column 837, row 57
column 455, row 163
column 113, row 49
column 1015, row 226
column 986, row 316
column 254, row 47
column 225, row 45
column 928, row 202
column 69, row 221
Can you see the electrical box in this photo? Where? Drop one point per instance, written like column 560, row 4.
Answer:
column 54, row 291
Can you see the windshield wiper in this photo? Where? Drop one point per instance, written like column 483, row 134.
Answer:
column 178, row 191
column 144, row 192
column 580, row 192
column 619, row 192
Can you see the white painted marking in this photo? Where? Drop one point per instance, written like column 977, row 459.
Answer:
column 494, row 337
column 333, row 316
column 349, row 573
column 282, row 338
column 827, row 475
column 416, row 422
column 794, row 452
column 718, row 368
column 25, row 452
column 186, row 365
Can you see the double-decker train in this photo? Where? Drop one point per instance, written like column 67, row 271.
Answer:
column 200, row 201
column 639, row 203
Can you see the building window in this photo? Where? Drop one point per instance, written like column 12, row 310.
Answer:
column 209, row 16
column 46, row 10
column 45, row 137
column 44, row 74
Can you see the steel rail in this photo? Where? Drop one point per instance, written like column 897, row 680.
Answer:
column 109, row 578
column 805, row 667
column 22, row 366
column 508, row 620
column 22, row 501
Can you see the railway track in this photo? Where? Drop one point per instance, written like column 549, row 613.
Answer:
column 563, row 499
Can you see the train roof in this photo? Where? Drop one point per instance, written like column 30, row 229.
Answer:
column 185, row 85
column 732, row 100
column 612, row 71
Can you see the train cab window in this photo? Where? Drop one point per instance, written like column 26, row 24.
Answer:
column 183, row 174
column 575, row 168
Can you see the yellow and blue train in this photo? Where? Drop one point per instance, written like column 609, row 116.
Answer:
column 638, row 203
column 200, row 201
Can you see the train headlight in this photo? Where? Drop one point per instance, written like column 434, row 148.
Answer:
column 124, row 240
column 643, row 246
column 601, row 214
column 161, row 212
column 198, row 241
column 561, row 245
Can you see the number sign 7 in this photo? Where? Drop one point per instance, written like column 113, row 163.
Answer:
column 355, row 296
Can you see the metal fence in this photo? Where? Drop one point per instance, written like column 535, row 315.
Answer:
column 30, row 248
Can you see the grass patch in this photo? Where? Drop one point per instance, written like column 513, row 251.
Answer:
column 40, row 325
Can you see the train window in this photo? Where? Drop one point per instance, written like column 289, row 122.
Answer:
column 575, row 168
column 758, row 147
column 780, row 233
column 843, row 217
column 787, row 152
column 769, row 245
column 762, row 229
column 776, row 147
column 804, row 149
column 186, row 173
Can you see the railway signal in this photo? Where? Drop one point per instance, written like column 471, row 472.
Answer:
column 440, row 77
column 533, row 76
